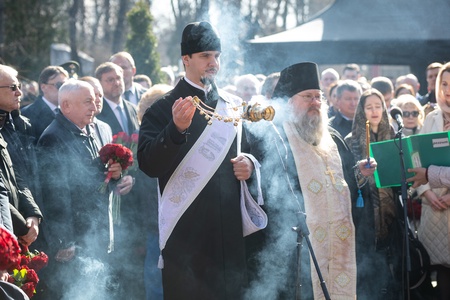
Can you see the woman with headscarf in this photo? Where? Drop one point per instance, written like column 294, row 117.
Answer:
column 378, row 255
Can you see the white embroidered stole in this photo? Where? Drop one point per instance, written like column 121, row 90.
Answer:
column 194, row 172
column 328, row 215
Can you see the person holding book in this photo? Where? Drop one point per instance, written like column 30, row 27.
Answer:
column 413, row 117
column 378, row 235
column 435, row 217
column 413, row 114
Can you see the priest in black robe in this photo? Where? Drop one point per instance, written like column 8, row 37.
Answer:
column 204, row 256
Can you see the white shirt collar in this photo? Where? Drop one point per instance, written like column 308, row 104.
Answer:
column 51, row 105
column 113, row 105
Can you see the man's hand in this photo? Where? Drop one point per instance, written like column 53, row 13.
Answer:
column 125, row 185
column 367, row 170
column 31, row 236
column 242, row 167
column 65, row 255
column 115, row 169
column 419, row 178
column 182, row 113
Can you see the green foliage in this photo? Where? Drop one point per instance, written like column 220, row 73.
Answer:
column 30, row 27
column 141, row 42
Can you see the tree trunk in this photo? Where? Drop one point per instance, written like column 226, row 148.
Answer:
column 73, row 11
column 119, row 33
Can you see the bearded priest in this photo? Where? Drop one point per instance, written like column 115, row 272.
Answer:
column 309, row 174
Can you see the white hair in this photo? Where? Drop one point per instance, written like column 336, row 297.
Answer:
column 70, row 86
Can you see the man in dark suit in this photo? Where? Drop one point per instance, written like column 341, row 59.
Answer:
column 119, row 114
column 129, row 235
column 42, row 111
column 133, row 91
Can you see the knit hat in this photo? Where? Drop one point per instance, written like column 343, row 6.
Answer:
column 296, row 78
column 199, row 37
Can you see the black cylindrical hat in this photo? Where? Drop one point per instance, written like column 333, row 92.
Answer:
column 199, row 37
column 296, row 78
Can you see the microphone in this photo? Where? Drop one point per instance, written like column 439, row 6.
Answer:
column 397, row 115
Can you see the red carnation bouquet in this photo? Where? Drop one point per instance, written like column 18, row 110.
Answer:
column 23, row 267
column 129, row 141
column 25, row 275
column 118, row 154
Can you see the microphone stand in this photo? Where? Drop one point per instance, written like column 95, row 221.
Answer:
column 303, row 232
column 404, row 188
column 302, row 229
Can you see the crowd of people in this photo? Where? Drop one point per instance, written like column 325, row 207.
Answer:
column 174, row 227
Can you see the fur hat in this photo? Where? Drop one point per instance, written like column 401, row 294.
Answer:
column 199, row 37
column 296, row 78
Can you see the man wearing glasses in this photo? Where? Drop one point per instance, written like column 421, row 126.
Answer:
column 42, row 112
column 306, row 170
column 25, row 212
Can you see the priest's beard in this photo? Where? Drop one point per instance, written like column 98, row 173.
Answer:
column 311, row 127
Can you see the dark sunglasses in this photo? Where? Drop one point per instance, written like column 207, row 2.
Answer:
column 13, row 87
column 57, row 85
column 408, row 114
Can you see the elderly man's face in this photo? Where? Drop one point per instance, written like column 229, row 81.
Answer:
column 10, row 93
column 306, row 102
column 80, row 108
column 246, row 89
column 307, row 115
column 327, row 79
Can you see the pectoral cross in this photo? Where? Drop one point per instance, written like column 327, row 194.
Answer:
column 330, row 173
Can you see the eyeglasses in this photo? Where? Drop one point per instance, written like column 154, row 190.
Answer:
column 112, row 80
column 57, row 85
column 13, row 87
column 413, row 114
column 310, row 98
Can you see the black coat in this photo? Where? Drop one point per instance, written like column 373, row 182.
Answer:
column 40, row 116
column 205, row 255
column 22, row 204
column 71, row 175
column 21, row 147
column 342, row 125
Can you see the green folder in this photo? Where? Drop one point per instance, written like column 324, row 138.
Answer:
column 420, row 150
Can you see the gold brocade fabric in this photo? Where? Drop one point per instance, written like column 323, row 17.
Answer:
column 328, row 214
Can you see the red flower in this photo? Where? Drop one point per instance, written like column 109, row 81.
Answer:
column 39, row 261
column 29, row 288
column 24, row 260
column 118, row 154
column 134, row 138
column 32, row 276
column 9, row 250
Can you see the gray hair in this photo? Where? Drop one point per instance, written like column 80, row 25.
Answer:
column 7, row 71
column 70, row 86
column 348, row 85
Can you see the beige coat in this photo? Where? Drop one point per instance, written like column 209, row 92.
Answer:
column 434, row 230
